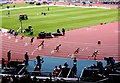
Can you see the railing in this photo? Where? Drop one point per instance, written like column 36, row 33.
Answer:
column 40, row 77
column 69, row 72
column 105, row 79
column 21, row 70
column 59, row 73
column 82, row 72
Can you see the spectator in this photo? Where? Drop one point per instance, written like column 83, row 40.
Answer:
column 15, row 34
column 74, row 68
column 26, row 58
column 112, row 61
column 60, row 67
column 108, row 61
column 65, row 64
column 75, row 61
column 63, row 31
column 39, row 61
column 55, row 72
column 58, row 31
column 9, row 55
column 3, row 63
column 100, row 66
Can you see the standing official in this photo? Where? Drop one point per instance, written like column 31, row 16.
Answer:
column 9, row 55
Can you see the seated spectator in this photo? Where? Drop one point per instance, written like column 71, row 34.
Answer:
column 11, row 31
column 112, row 61
column 58, row 31
column 56, row 71
column 15, row 34
column 63, row 31
column 65, row 65
column 60, row 68
column 31, row 32
column 107, row 71
column 100, row 66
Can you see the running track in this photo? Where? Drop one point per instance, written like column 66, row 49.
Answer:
column 85, row 38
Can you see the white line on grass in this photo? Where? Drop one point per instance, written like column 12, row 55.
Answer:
column 54, row 5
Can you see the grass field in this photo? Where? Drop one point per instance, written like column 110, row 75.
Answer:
column 57, row 17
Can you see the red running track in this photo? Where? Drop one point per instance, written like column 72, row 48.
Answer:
column 85, row 38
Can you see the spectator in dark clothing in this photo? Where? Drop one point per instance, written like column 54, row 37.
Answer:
column 3, row 63
column 100, row 66
column 58, row 31
column 26, row 58
column 39, row 61
column 74, row 68
column 63, row 31
column 11, row 31
column 15, row 34
column 9, row 55
column 65, row 64
column 108, row 60
column 75, row 61
column 112, row 61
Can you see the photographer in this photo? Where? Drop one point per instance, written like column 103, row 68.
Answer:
column 39, row 61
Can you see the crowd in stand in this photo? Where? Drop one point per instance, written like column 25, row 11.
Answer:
column 94, row 75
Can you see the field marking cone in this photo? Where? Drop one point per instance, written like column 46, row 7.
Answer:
column 9, row 37
column 16, row 40
column 26, row 44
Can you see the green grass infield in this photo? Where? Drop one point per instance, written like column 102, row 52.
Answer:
column 57, row 17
